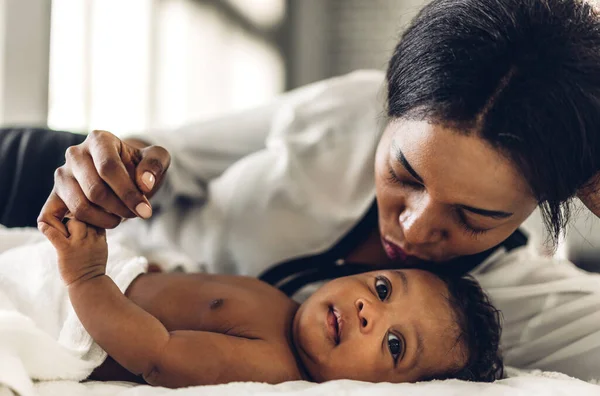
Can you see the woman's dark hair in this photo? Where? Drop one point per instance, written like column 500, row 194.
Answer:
column 479, row 331
column 522, row 74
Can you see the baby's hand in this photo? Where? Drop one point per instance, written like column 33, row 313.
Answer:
column 82, row 255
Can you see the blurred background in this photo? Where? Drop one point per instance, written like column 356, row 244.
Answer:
column 130, row 65
column 126, row 65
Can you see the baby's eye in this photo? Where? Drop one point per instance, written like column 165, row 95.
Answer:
column 395, row 346
column 382, row 286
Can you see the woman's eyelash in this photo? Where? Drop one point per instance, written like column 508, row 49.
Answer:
column 474, row 232
column 393, row 178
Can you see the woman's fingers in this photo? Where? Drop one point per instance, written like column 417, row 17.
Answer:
column 69, row 191
column 151, row 169
column 93, row 187
column 99, row 182
column 105, row 150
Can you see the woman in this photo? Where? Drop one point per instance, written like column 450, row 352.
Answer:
column 492, row 110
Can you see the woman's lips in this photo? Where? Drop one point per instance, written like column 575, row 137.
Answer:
column 333, row 325
column 393, row 251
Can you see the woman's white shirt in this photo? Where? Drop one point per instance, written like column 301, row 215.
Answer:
column 257, row 188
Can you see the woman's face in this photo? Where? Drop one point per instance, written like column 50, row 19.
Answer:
column 442, row 194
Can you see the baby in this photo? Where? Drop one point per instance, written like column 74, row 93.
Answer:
column 177, row 330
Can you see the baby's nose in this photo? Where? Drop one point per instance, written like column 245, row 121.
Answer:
column 366, row 315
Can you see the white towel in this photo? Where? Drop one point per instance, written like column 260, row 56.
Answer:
column 40, row 334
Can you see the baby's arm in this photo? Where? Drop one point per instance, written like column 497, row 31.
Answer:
column 137, row 340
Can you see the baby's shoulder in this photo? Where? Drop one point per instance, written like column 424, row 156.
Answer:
column 261, row 306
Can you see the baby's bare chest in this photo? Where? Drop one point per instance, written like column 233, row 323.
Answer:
column 223, row 304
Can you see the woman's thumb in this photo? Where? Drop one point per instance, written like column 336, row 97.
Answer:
column 151, row 169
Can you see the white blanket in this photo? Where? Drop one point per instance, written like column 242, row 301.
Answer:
column 519, row 383
column 40, row 335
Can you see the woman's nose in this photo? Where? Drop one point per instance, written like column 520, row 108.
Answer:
column 367, row 315
column 420, row 222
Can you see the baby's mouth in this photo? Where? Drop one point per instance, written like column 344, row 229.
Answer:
column 334, row 322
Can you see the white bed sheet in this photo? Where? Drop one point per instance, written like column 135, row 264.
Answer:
column 518, row 383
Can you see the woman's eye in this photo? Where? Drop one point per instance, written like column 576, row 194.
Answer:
column 394, row 179
column 474, row 232
column 382, row 287
column 395, row 346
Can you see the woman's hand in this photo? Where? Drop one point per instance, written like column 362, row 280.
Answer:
column 105, row 180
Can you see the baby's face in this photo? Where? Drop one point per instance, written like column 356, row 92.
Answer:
column 384, row 326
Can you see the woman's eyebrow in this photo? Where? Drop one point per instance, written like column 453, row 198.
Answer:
column 402, row 159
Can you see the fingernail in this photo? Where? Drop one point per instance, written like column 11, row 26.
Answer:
column 143, row 210
column 148, row 180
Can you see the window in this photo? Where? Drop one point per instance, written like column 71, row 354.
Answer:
column 126, row 66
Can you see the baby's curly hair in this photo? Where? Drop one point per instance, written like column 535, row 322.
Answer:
column 479, row 331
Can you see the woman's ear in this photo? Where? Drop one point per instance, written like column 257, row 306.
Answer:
column 589, row 194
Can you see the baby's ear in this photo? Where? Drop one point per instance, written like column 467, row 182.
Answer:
column 56, row 238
